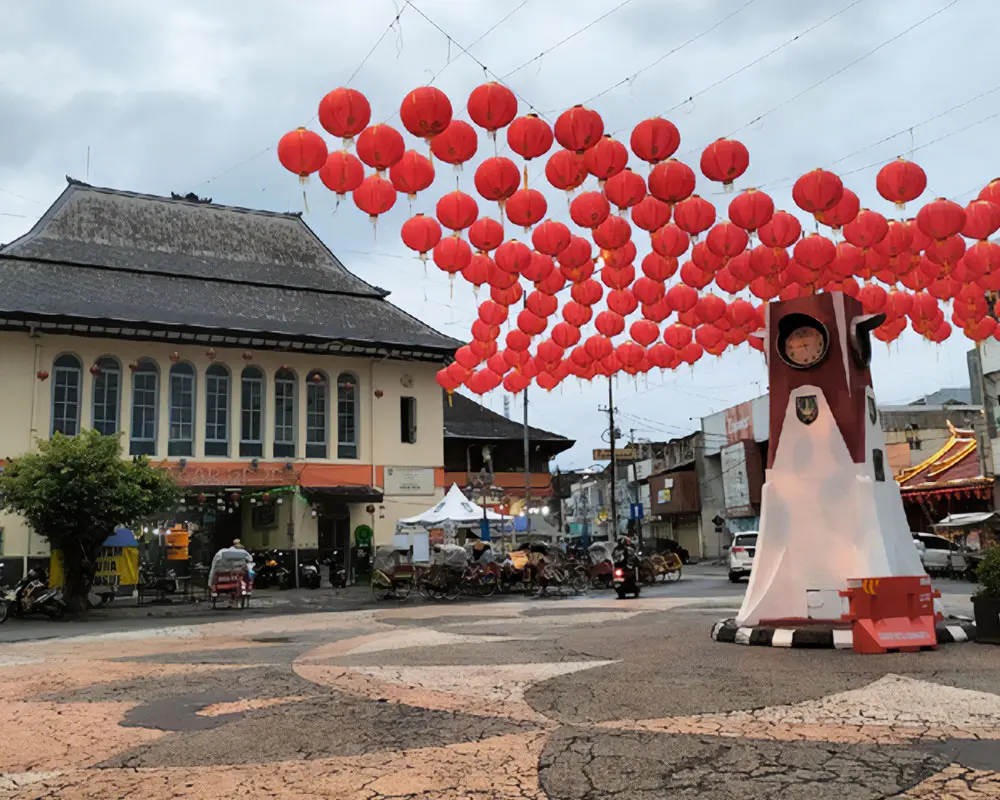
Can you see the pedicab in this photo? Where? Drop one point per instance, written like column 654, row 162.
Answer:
column 482, row 576
column 660, row 566
column 555, row 569
column 393, row 574
column 231, row 576
column 443, row 580
column 601, row 564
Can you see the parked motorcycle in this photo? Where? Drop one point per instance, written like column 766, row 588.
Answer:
column 309, row 575
column 31, row 595
column 270, row 572
column 338, row 573
column 156, row 580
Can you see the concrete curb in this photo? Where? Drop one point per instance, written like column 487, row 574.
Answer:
column 948, row 632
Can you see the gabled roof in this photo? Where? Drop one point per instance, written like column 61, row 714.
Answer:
column 959, row 395
column 106, row 256
column 464, row 418
column 955, row 465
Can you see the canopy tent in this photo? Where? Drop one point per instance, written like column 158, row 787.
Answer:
column 456, row 509
column 973, row 520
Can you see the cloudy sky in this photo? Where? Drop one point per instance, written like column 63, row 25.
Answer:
column 181, row 95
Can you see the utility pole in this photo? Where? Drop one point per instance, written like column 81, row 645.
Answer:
column 612, row 437
column 637, row 528
column 527, row 469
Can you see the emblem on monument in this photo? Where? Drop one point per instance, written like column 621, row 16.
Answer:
column 872, row 410
column 806, row 409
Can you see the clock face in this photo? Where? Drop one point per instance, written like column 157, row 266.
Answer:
column 805, row 346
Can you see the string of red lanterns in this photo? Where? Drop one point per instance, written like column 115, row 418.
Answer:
column 910, row 269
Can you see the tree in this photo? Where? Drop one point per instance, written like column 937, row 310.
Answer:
column 74, row 491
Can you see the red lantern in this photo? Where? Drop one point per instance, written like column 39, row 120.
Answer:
column 622, row 301
column 457, row 210
column 589, row 209
column 711, row 339
column 540, row 268
column 817, row 191
column 751, row 209
column 901, row 181
column 492, row 106
column 518, row 340
column 575, row 254
column 515, row 382
column 867, row 229
column 576, row 314
column 483, row 332
column 549, row 352
column 421, row 234
column 342, row 172
column 344, row 113
column 630, row 355
column 565, row 335
column 612, row 233
column 724, row 161
column 565, row 170
column 710, row 308
column 706, row 260
column 508, row 296
column 742, row 315
column 531, row 323
column 544, row 305
column 626, row 189
column 648, row 291
column 618, row 277
column 619, row 256
column 512, row 257
column 526, row 207
column 849, row 260
column 649, row 213
column 499, row 279
column 658, row 311
column 815, row 252
column 486, row 234
column 375, row 196
column 983, row 258
column 727, row 240
column 670, row 241
column 682, row 297
column 782, row 231
column 844, row 212
column 672, row 181
column 498, row 364
column 897, row 240
column 497, row 178
column 694, row 215
column 587, row 293
column 380, row 146
column 302, row 152
column 413, row 173
column 552, row 283
column 42, row 375
column 678, row 336
column 492, row 313
column 873, row 298
column 466, row 357
column 452, row 254
column 946, row 252
column 609, row 323
column 765, row 288
column 425, row 112
column 982, row 220
column 551, row 238
column 529, row 137
column 577, row 274
column 694, row 276
column 655, row 140
column 579, row 128
column 457, row 144
column 606, row 158
column 766, row 260
column 941, row 218
column 598, row 347
column 658, row 268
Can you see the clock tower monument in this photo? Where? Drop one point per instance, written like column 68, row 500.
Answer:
column 830, row 509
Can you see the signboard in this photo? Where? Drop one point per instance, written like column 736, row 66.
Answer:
column 642, row 469
column 739, row 423
column 664, row 496
column 735, row 481
column 409, row 480
column 635, row 511
column 624, row 453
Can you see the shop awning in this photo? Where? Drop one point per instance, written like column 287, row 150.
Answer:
column 343, row 494
column 967, row 520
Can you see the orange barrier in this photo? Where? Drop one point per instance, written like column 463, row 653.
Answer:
column 891, row 614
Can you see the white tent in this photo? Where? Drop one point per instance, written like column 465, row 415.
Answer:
column 455, row 508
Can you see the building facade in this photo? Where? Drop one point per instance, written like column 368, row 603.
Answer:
column 289, row 398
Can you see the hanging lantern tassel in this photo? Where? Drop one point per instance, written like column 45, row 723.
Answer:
column 305, row 200
column 449, row 399
column 374, row 221
column 451, row 285
column 728, row 188
column 525, row 174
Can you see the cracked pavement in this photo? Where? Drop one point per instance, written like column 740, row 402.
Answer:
column 576, row 699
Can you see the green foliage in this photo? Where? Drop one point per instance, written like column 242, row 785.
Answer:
column 988, row 573
column 74, row 491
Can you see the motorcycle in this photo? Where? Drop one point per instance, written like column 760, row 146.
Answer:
column 271, row 571
column 31, row 595
column 309, row 575
column 338, row 573
column 625, row 578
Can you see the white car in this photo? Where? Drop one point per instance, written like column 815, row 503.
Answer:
column 741, row 555
column 939, row 555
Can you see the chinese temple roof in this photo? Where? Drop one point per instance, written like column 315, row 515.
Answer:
column 953, row 467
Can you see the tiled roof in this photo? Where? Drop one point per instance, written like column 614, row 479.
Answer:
column 464, row 418
column 105, row 255
column 956, row 464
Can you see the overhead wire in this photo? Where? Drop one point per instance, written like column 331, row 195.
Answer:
column 567, row 39
column 671, row 52
column 480, row 38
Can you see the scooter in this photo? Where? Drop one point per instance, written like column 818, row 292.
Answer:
column 625, row 579
column 309, row 577
column 338, row 574
column 32, row 596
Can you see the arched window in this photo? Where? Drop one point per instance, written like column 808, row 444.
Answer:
column 181, row 441
column 106, row 400
column 216, row 411
column 67, row 372
column 347, row 416
column 145, row 400
column 284, row 414
column 317, row 405
column 252, row 413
